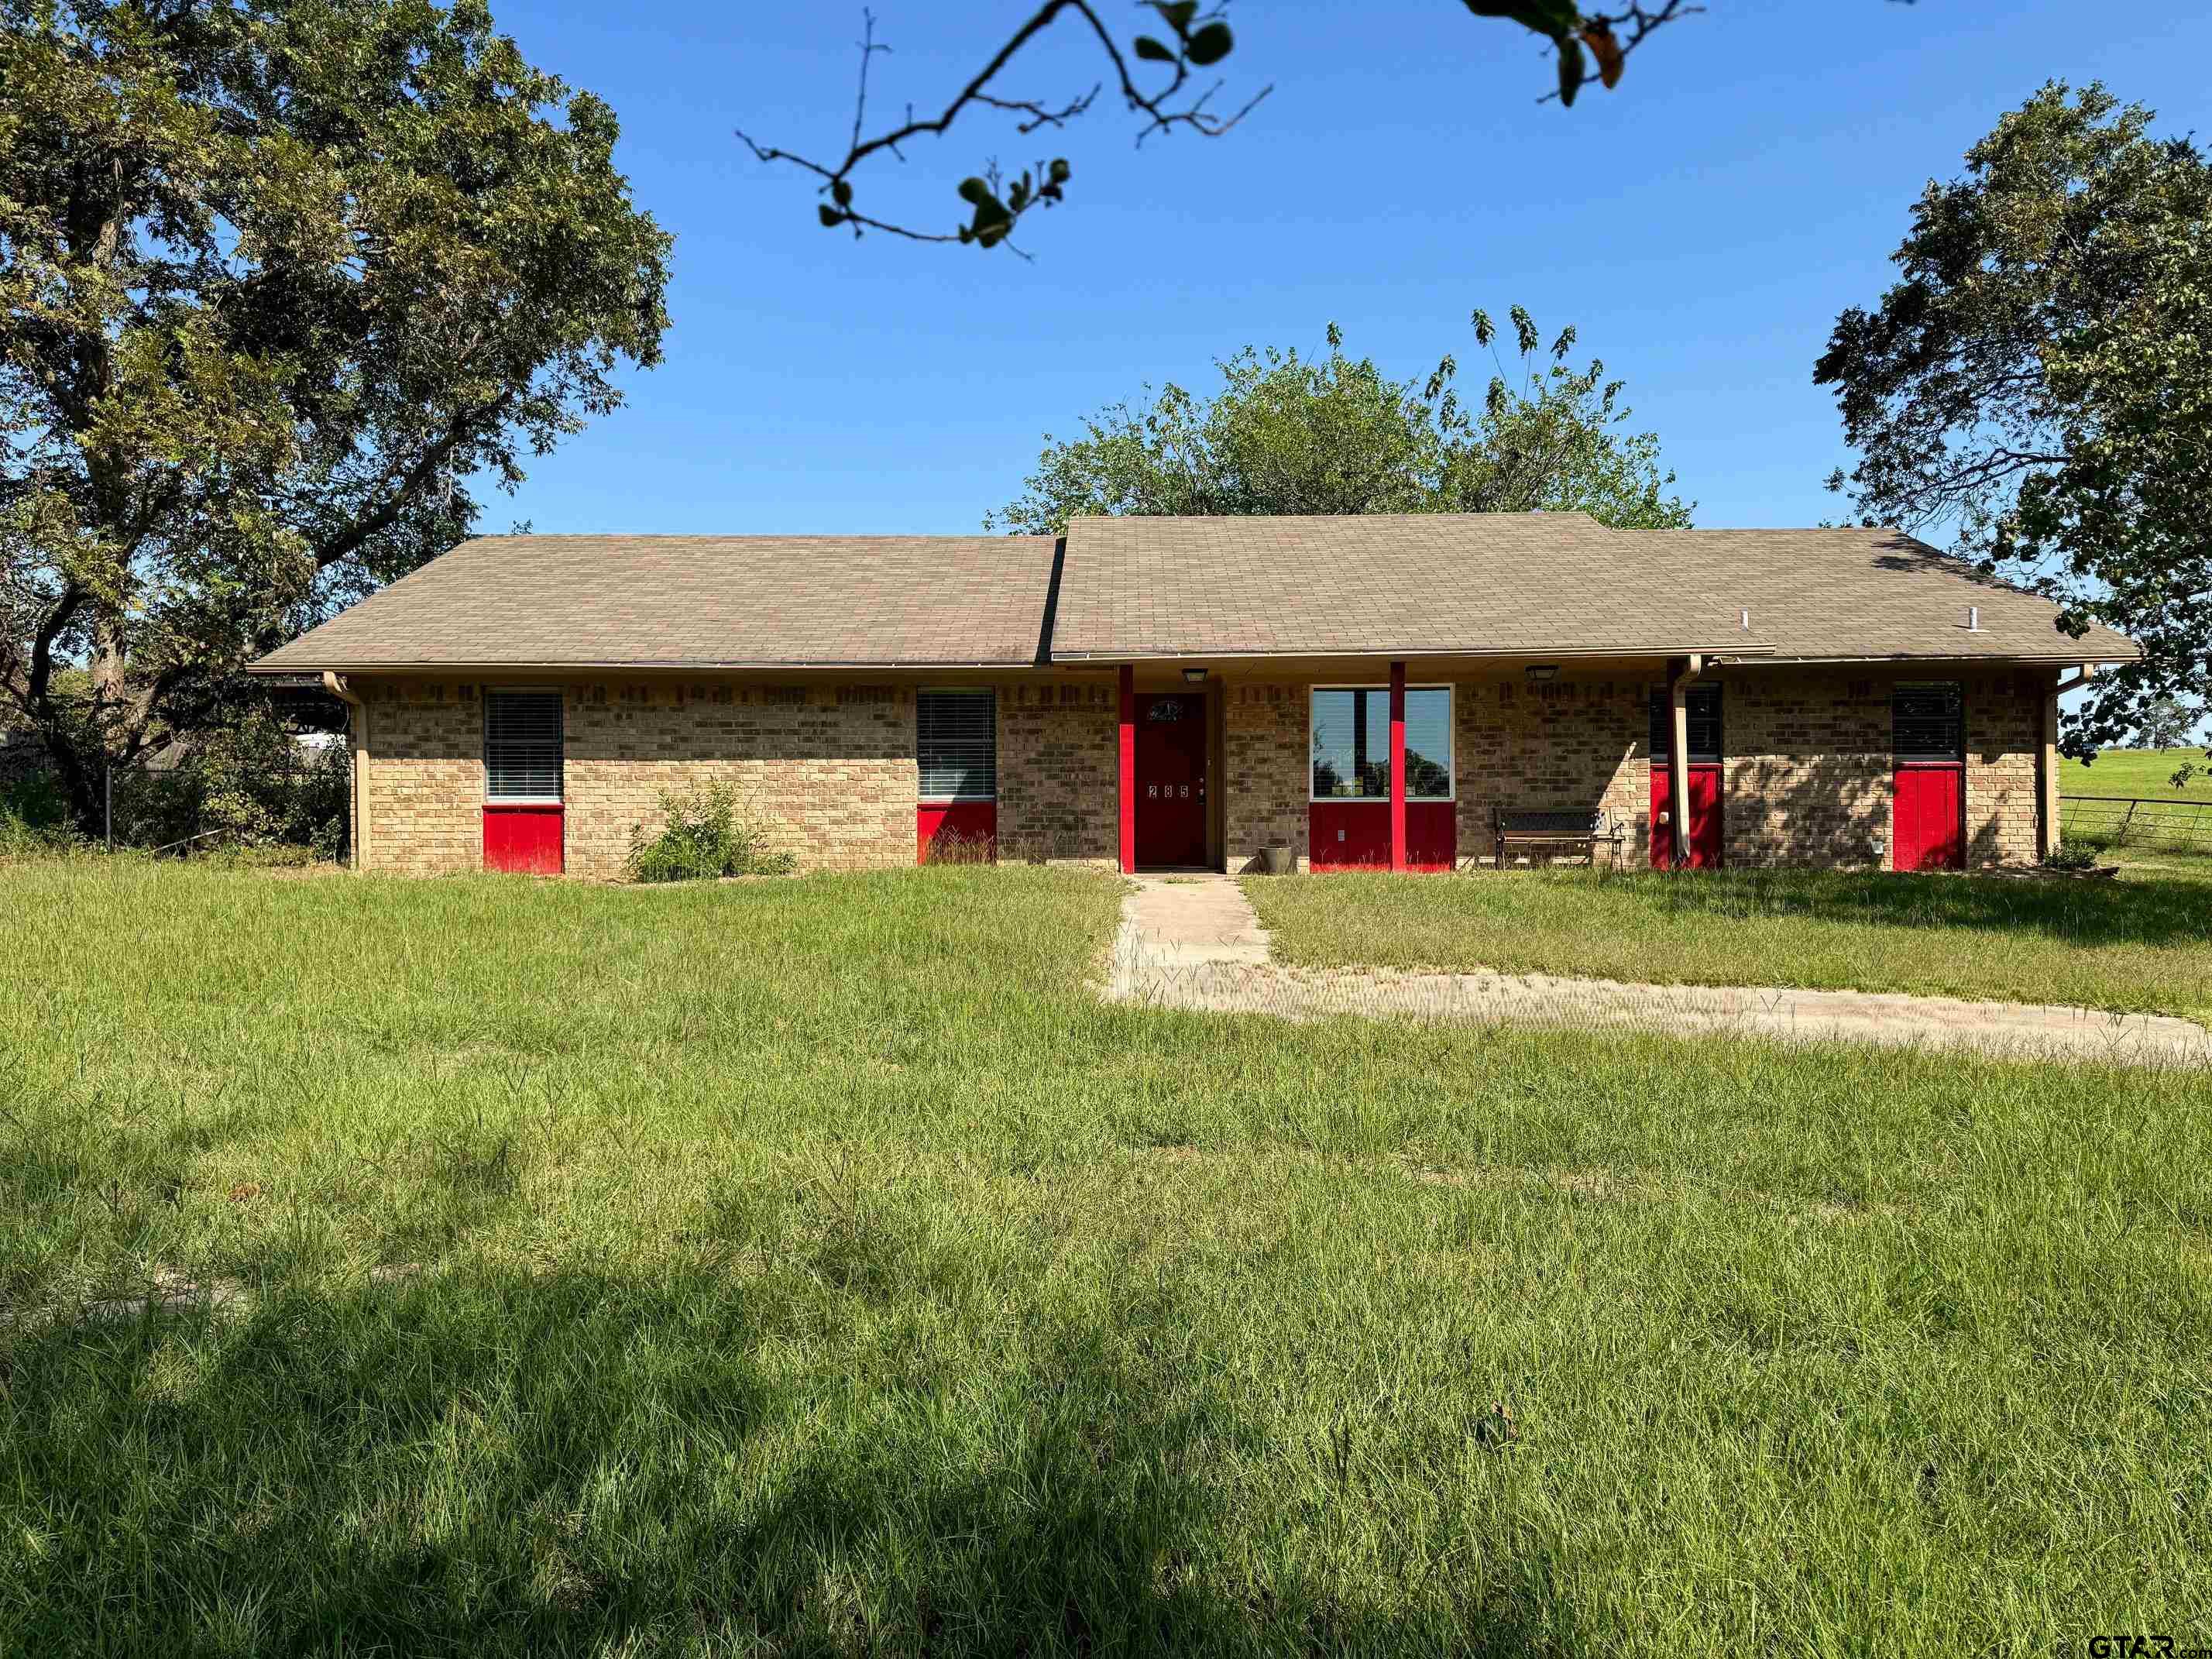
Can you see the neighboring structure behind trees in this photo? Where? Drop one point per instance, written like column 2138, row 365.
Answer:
column 1173, row 692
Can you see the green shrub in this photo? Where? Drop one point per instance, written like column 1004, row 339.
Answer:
column 2072, row 853
column 702, row 837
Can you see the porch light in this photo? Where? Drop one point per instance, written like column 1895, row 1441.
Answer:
column 1194, row 677
column 1543, row 671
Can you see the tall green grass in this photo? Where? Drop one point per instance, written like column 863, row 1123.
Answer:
column 816, row 1266
column 2142, row 944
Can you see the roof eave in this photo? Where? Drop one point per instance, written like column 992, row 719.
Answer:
column 626, row 665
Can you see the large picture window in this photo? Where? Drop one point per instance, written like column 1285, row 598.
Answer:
column 957, row 742
column 1351, row 743
column 522, row 746
column 1703, row 709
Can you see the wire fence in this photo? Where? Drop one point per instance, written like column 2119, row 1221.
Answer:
column 2150, row 824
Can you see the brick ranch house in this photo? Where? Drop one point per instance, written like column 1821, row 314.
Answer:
column 1156, row 692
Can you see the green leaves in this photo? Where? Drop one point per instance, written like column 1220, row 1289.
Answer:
column 2066, row 270
column 994, row 218
column 1571, row 68
column 1210, row 44
column 1202, row 47
column 1287, row 434
column 286, row 356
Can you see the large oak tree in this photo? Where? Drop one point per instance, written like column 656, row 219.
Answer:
column 277, row 279
column 2039, row 383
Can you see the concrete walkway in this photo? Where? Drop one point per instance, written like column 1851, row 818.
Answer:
column 1195, row 942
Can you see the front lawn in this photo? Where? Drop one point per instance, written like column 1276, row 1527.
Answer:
column 2140, row 944
column 486, row 1265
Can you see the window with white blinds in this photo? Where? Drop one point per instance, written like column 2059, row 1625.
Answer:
column 956, row 741
column 522, row 745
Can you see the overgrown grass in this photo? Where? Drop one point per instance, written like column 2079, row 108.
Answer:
column 815, row 1266
column 2144, row 944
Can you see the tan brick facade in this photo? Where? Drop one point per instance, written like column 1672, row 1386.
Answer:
column 829, row 771
column 1808, row 777
column 421, row 789
column 1059, row 774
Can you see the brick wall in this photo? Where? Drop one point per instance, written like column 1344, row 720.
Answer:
column 1263, row 731
column 2004, row 736
column 422, row 788
column 1058, row 773
column 826, row 772
column 829, row 771
column 1808, row 773
column 1808, row 779
column 1575, row 742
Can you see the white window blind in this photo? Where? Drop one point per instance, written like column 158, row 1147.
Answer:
column 522, row 745
column 957, row 742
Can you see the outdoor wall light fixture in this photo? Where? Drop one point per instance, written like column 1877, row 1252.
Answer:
column 1194, row 676
column 1543, row 671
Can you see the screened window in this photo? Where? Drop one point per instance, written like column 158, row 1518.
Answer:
column 1928, row 722
column 1703, row 701
column 522, row 745
column 956, row 741
column 1352, row 743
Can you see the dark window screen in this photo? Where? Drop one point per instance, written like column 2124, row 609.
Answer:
column 1704, row 712
column 522, row 745
column 1928, row 722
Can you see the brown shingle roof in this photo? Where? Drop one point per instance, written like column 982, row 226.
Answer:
column 697, row 601
column 1510, row 584
column 1530, row 583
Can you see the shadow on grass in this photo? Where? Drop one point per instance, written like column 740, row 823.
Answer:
column 578, row 1461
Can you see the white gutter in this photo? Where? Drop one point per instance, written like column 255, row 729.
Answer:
column 336, row 686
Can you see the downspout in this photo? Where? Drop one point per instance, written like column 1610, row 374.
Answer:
column 1678, row 762
column 358, row 723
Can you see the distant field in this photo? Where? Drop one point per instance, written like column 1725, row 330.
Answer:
column 2134, row 772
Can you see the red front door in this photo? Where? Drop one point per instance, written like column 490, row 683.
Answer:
column 1171, row 779
column 1704, row 782
column 1931, row 817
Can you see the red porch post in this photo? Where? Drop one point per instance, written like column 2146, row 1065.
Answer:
column 1397, row 766
column 1128, row 770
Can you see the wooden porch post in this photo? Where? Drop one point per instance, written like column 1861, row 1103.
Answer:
column 1128, row 741
column 1397, row 766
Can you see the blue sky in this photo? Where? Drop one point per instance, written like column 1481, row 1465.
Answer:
column 1701, row 227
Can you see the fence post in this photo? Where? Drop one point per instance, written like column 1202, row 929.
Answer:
column 2127, row 818
column 107, row 805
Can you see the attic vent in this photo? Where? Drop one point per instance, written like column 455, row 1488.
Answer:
column 1974, row 619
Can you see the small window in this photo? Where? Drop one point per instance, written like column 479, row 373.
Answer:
column 956, row 743
column 1928, row 722
column 1703, row 701
column 1351, row 743
column 522, row 745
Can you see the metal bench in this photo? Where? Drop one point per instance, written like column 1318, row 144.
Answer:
column 1517, row 827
